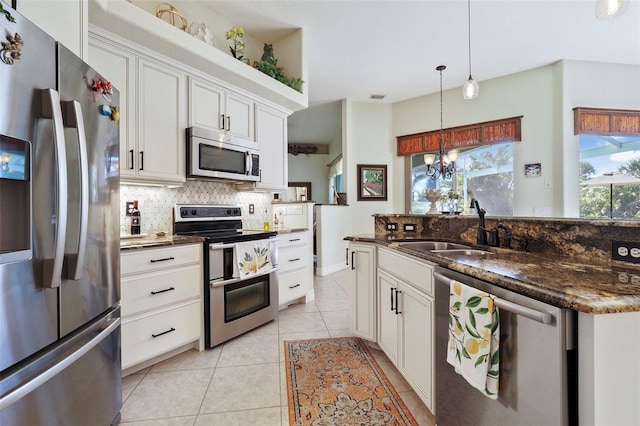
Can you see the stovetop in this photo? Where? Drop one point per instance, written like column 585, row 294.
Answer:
column 217, row 223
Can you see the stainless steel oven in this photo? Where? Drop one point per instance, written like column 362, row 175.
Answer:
column 215, row 155
column 232, row 304
column 238, row 305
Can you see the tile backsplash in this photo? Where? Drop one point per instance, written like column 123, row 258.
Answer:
column 156, row 203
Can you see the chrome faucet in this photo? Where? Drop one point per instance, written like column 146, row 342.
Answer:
column 482, row 232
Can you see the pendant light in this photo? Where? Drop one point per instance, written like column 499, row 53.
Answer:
column 470, row 89
column 446, row 165
column 609, row 9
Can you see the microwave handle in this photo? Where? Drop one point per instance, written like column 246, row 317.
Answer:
column 248, row 163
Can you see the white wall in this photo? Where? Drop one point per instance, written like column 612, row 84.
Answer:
column 528, row 93
column 367, row 139
column 590, row 84
column 311, row 168
column 545, row 97
column 331, row 230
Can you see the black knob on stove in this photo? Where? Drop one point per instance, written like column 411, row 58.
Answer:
column 194, row 212
column 229, row 212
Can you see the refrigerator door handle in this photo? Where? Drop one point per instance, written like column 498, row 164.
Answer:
column 21, row 391
column 51, row 109
column 73, row 118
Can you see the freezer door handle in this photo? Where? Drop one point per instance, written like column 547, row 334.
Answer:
column 22, row 391
column 51, row 109
column 73, row 118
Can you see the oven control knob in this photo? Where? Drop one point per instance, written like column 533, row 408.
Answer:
column 236, row 212
column 228, row 212
column 194, row 212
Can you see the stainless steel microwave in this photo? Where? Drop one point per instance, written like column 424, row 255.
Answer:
column 215, row 155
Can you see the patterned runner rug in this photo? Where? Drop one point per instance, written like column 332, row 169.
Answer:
column 336, row 381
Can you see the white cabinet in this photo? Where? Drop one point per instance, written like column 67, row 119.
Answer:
column 161, row 292
column 153, row 114
column 64, row 20
column 295, row 257
column 161, row 122
column 405, row 314
column 213, row 107
column 362, row 290
column 271, row 135
column 118, row 65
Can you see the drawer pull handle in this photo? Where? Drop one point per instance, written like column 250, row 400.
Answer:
column 163, row 291
column 164, row 332
column 294, row 260
column 162, row 260
column 294, row 286
column 294, row 239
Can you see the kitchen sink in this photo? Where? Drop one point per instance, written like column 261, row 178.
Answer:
column 433, row 245
column 463, row 252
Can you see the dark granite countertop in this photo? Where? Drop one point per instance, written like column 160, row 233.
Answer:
column 157, row 241
column 589, row 287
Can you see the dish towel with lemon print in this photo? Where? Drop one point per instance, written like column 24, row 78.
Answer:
column 474, row 337
column 253, row 258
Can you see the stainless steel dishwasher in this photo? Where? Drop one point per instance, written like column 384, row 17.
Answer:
column 538, row 384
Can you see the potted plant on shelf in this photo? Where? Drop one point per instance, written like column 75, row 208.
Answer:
column 235, row 34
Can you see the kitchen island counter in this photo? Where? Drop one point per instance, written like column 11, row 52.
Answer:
column 594, row 288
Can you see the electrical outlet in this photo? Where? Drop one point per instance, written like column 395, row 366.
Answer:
column 129, row 208
column 252, row 208
column 409, row 227
column 392, row 226
column 625, row 251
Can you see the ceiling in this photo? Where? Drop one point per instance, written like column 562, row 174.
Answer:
column 359, row 48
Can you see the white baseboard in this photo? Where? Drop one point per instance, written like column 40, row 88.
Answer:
column 328, row 270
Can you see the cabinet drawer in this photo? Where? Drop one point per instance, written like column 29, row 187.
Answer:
column 292, row 258
column 159, row 258
column 180, row 325
column 292, row 285
column 413, row 271
column 293, row 239
column 143, row 292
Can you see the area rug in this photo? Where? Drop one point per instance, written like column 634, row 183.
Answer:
column 336, row 381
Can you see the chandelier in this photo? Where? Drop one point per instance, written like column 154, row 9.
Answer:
column 445, row 166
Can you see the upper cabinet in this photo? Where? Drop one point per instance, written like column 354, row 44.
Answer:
column 213, row 107
column 153, row 109
column 271, row 135
column 118, row 65
column 64, row 20
column 161, row 122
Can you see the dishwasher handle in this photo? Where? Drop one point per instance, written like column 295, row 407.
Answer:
column 514, row 308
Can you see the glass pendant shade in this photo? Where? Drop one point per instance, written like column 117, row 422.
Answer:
column 470, row 89
column 608, row 9
column 429, row 159
column 453, row 155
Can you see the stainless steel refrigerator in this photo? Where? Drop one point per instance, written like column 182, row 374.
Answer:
column 59, row 234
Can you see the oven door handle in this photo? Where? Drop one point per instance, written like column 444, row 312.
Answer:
column 213, row 284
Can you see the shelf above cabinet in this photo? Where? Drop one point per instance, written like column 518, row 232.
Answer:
column 131, row 22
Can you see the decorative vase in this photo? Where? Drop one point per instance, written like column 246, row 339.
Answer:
column 433, row 196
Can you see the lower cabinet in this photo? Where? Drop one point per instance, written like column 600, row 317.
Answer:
column 161, row 298
column 295, row 256
column 405, row 319
column 362, row 290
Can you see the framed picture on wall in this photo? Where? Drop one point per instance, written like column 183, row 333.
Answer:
column 533, row 170
column 372, row 182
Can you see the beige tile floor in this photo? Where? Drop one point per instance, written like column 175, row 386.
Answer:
column 242, row 382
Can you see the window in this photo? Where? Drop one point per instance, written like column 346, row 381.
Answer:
column 484, row 172
column 609, row 167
